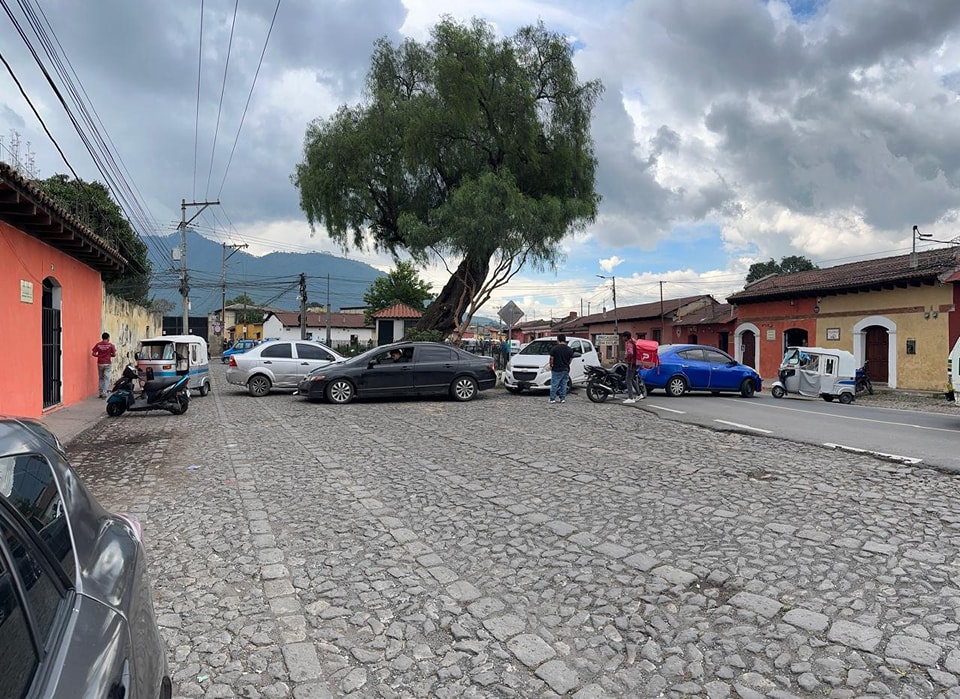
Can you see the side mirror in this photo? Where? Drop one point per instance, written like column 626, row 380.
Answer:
column 136, row 355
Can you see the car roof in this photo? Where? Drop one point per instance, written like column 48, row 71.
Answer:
column 20, row 434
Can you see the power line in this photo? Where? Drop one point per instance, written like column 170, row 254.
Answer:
column 223, row 89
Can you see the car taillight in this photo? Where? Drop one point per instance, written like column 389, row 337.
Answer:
column 233, row 362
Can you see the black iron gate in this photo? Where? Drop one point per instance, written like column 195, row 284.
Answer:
column 51, row 348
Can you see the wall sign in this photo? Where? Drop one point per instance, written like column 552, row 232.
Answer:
column 771, row 333
column 26, row 291
column 833, row 333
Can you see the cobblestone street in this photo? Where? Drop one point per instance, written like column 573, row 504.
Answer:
column 507, row 547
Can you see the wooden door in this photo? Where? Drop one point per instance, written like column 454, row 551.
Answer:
column 876, row 351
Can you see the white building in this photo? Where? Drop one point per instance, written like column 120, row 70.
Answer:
column 345, row 328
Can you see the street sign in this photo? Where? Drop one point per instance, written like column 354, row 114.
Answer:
column 510, row 313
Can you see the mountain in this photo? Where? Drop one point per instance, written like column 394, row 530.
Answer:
column 271, row 280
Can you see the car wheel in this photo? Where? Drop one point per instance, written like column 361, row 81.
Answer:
column 204, row 389
column 747, row 389
column 676, row 386
column 116, row 409
column 827, row 397
column 463, row 388
column 258, row 385
column 846, row 398
column 778, row 392
column 340, row 391
column 595, row 393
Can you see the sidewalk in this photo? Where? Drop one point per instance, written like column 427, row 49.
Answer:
column 69, row 422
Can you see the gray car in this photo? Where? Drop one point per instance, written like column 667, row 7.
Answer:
column 278, row 364
column 76, row 613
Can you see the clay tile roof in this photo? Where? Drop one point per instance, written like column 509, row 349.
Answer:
column 932, row 266
column 291, row 319
column 28, row 208
column 398, row 311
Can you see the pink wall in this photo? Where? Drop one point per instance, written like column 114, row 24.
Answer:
column 23, row 257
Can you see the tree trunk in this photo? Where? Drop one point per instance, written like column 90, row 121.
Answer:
column 445, row 311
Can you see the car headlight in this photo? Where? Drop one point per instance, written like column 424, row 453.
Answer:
column 316, row 377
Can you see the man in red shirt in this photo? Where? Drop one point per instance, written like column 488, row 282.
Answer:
column 104, row 351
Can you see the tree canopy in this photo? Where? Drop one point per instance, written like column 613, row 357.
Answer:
column 401, row 285
column 469, row 149
column 90, row 203
column 787, row 265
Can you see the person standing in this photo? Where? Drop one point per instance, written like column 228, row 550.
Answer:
column 560, row 357
column 104, row 351
column 630, row 359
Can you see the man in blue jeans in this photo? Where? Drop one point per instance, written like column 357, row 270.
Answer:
column 560, row 357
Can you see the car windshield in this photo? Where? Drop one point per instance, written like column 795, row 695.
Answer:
column 539, row 347
column 359, row 359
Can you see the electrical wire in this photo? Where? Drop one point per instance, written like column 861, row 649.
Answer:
column 249, row 96
column 223, row 89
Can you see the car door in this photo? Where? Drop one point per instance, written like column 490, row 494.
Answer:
column 725, row 373
column 434, row 368
column 576, row 364
column 278, row 359
column 694, row 366
column 384, row 377
column 310, row 357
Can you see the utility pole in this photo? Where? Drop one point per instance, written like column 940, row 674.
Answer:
column 223, row 287
column 303, row 306
column 184, row 285
column 328, row 309
column 616, row 320
column 661, row 313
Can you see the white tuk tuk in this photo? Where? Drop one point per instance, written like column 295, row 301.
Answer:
column 175, row 355
column 817, row 371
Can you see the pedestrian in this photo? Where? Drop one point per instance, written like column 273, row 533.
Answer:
column 560, row 357
column 630, row 359
column 104, row 351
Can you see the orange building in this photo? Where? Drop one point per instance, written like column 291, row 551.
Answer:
column 51, row 300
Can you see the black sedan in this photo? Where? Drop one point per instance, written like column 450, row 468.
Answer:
column 76, row 613
column 402, row 369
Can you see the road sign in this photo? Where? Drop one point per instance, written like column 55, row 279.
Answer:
column 510, row 313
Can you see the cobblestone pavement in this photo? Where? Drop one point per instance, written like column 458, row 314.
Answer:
column 507, row 547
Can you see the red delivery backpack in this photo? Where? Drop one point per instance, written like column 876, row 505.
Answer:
column 647, row 355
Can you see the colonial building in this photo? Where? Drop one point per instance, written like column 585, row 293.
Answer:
column 51, row 300
column 897, row 313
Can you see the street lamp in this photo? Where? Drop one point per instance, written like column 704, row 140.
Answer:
column 616, row 320
column 922, row 236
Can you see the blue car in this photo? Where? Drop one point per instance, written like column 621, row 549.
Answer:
column 686, row 368
column 239, row 347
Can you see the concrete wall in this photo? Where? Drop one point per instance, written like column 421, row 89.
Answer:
column 27, row 262
column 127, row 324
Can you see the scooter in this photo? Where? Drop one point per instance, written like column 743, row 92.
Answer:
column 169, row 394
column 603, row 383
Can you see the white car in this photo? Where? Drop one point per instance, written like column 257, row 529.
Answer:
column 278, row 364
column 530, row 368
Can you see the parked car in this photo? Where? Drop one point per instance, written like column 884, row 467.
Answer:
column 529, row 368
column 414, row 369
column 76, row 612
column 278, row 364
column 238, row 347
column 686, row 368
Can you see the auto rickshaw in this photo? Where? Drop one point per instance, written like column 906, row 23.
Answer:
column 174, row 356
column 817, row 371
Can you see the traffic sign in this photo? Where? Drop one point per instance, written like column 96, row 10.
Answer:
column 510, row 313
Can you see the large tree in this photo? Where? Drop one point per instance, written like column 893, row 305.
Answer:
column 90, row 203
column 469, row 149
column 401, row 285
column 787, row 265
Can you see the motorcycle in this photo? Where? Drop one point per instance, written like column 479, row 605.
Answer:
column 170, row 394
column 603, row 383
column 863, row 382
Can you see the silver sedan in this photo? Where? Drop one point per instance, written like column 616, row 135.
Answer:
column 278, row 364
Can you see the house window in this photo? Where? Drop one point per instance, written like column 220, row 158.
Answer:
column 656, row 335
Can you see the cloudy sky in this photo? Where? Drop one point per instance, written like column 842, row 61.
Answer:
column 729, row 131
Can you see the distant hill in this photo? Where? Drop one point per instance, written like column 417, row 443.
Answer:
column 270, row 280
